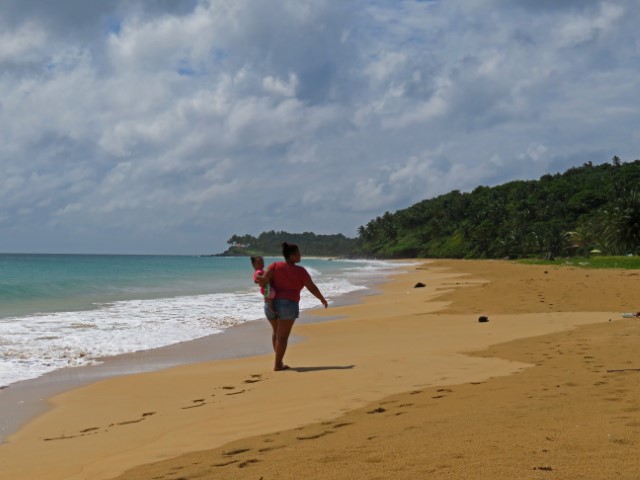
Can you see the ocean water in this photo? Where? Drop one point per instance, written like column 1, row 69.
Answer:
column 60, row 311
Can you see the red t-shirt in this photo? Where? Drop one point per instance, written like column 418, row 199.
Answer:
column 288, row 280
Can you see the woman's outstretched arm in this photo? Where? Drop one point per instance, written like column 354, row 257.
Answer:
column 316, row 292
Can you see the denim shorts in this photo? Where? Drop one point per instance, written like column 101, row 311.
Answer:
column 285, row 309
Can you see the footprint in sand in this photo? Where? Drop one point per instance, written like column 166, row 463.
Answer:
column 90, row 429
column 269, row 449
column 224, row 464
column 377, row 410
column 61, row 437
column 94, row 430
column 340, row 425
column 233, row 453
column 313, row 437
column 196, row 403
column 238, row 451
column 82, row 433
column 254, row 377
column 442, row 390
column 144, row 416
column 236, row 393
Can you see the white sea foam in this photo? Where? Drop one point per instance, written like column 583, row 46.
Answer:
column 33, row 345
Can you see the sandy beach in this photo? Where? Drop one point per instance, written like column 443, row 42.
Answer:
column 406, row 384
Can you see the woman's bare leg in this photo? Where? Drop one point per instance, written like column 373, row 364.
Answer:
column 274, row 327
column 282, row 333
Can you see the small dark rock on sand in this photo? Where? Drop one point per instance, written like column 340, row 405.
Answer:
column 419, row 285
column 483, row 319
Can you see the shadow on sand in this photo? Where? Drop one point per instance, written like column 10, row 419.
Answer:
column 316, row 369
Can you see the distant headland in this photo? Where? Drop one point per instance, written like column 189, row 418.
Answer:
column 269, row 244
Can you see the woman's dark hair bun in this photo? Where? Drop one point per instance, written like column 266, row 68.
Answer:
column 288, row 249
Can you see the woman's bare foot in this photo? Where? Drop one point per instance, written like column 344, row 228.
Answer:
column 281, row 367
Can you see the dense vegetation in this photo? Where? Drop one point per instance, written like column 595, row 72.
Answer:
column 584, row 209
column 268, row 243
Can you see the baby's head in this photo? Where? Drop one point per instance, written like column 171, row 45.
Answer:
column 257, row 262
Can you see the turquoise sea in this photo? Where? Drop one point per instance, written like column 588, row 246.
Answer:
column 60, row 311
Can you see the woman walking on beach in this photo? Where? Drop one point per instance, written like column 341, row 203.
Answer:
column 288, row 279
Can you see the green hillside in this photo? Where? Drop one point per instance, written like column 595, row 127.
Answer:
column 268, row 243
column 583, row 209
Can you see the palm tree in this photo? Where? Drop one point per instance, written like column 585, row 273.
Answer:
column 621, row 225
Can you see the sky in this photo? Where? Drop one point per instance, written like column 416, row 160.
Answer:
column 167, row 126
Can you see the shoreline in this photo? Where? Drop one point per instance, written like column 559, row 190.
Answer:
column 23, row 401
column 349, row 362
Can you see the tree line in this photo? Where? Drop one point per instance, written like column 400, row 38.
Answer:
column 269, row 243
column 585, row 209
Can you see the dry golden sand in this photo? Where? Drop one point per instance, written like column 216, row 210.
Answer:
column 389, row 392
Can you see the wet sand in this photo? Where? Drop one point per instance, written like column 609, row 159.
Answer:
column 408, row 385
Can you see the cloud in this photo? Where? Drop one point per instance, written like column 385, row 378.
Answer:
column 167, row 126
column 586, row 26
column 22, row 44
column 281, row 87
